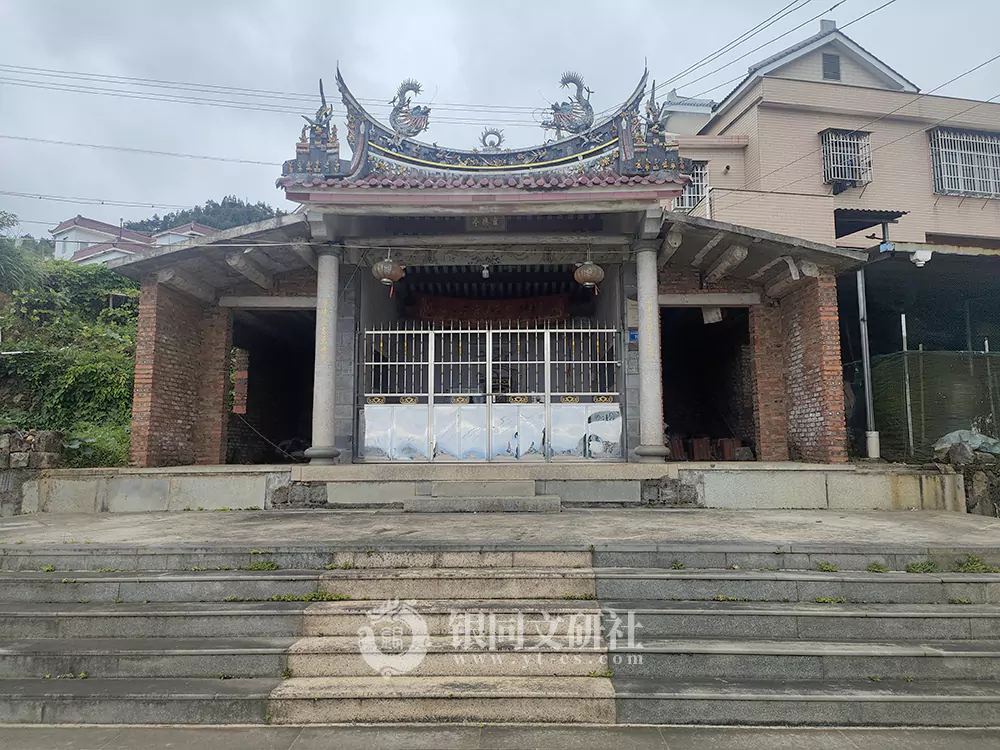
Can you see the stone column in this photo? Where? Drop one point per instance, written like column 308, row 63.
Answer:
column 651, row 446
column 323, row 451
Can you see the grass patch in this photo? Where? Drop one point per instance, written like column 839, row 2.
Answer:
column 877, row 568
column 827, row 567
column 261, row 565
column 831, row 600
column 312, row 596
column 927, row 566
column 261, row 552
column 973, row 564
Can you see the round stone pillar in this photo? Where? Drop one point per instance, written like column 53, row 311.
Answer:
column 327, row 291
column 651, row 446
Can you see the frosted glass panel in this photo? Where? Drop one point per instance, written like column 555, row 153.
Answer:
column 410, row 428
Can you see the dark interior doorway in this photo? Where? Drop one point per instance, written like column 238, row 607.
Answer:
column 271, row 419
column 707, row 386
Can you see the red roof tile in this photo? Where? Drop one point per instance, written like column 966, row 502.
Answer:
column 520, row 182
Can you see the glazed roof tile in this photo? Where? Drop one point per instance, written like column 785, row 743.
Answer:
column 522, row 183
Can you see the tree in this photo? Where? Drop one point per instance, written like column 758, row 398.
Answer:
column 231, row 212
column 18, row 266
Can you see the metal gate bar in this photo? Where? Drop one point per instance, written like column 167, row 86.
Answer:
column 494, row 392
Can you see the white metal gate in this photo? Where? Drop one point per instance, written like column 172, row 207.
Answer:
column 497, row 393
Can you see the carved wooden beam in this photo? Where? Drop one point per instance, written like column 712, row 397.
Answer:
column 730, row 258
column 699, row 258
column 243, row 263
column 188, row 284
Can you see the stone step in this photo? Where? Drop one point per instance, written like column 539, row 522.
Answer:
column 89, row 586
column 810, row 621
column 153, row 620
column 839, row 703
column 484, row 504
column 145, row 657
column 482, row 488
column 222, row 558
column 796, row 586
column 135, row 701
column 461, row 583
column 329, row 656
column 569, row 700
column 703, row 658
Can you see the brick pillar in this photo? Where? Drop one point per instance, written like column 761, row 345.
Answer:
column 211, row 427
column 815, row 386
column 768, row 379
column 181, row 379
column 166, row 360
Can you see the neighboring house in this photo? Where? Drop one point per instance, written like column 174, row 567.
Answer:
column 184, row 233
column 84, row 240
column 826, row 142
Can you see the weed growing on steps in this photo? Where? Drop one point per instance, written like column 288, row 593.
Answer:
column 876, row 567
column 48, row 568
column 831, row 600
column 722, row 598
column 874, row 678
column 973, row 564
column 286, row 674
column 927, row 566
column 677, row 565
column 346, row 565
column 582, row 597
column 261, row 552
column 605, row 673
column 67, row 676
column 960, row 601
column 261, row 565
column 68, row 580
column 312, row 596
column 224, row 676
column 826, row 567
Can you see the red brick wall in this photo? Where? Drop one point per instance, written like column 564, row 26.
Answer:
column 797, row 380
column 181, row 377
column 769, row 412
column 814, row 379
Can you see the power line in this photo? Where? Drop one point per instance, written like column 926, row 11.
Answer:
column 140, row 150
column 226, row 104
column 240, row 91
column 92, row 201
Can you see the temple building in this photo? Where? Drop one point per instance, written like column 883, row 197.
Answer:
column 428, row 304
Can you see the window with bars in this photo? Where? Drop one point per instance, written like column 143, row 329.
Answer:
column 695, row 190
column 966, row 162
column 847, row 158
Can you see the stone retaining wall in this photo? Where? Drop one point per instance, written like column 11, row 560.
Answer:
column 23, row 453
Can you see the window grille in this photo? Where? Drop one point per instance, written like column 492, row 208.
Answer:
column 966, row 162
column 847, row 158
column 831, row 67
column 695, row 190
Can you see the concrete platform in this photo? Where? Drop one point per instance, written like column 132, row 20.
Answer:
column 392, row 486
column 638, row 530
column 499, row 737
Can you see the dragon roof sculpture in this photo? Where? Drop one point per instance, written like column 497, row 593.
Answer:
column 627, row 143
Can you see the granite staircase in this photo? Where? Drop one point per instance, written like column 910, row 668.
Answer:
column 646, row 634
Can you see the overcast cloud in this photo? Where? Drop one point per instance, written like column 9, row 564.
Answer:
column 497, row 52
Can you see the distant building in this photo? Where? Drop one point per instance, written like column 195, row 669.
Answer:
column 83, row 240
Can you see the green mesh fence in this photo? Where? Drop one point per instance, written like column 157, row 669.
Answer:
column 947, row 391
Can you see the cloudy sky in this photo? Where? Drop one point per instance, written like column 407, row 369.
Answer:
column 481, row 62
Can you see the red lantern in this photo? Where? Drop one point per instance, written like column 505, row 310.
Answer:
column 388, row 271
column 589, row 275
